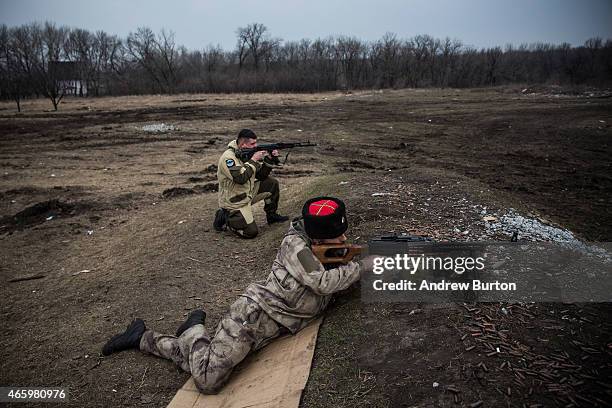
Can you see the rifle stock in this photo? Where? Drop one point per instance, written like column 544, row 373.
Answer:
column 336, row 253
column 344, row 253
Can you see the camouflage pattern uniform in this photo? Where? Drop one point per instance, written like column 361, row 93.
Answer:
column 297, row 290
column 242, row 184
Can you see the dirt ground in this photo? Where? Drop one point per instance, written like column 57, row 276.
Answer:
column 115, row 223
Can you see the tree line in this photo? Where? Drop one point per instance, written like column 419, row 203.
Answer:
column 33, row 57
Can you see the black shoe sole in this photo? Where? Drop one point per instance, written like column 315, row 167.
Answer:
column 192, row 320
column 129, row 339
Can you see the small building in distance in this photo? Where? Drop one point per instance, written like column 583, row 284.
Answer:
column 69, row 77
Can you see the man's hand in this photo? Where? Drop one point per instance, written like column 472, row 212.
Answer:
column 275, row 153
column 259, row 155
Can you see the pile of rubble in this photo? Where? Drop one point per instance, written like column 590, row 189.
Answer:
column 529, row 229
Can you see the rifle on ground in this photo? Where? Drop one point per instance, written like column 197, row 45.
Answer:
column 344, row 253
column 246, row 154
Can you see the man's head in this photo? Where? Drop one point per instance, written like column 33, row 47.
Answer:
column 246, row 139
column 325, row 220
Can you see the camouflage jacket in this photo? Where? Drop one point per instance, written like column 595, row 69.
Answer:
column 299, row 288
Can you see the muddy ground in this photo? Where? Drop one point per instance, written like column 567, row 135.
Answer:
column 106, row 223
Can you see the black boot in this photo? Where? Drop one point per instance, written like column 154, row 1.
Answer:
column 195, row 317
column 275, row 217
column 220, row 222
column 129, row 339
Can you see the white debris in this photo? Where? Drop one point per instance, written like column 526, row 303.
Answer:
column 530, row 229
column 382, row 194
column 49, row 218
column 158, row 128
column 436, row 385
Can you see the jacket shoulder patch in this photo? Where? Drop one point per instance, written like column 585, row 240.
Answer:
column 230, row 163
column 308, row 260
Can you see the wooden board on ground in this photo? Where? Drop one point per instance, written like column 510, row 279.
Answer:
column 273, row 377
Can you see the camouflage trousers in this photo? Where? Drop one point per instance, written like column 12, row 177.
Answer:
column 211, row 359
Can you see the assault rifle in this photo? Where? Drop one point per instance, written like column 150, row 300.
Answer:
column 344, row 253
column 246, row 154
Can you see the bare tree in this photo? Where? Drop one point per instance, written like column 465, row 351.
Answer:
column 156, row 55
column 13, row 77
column 168, row 53
column 348, row 51
column 54, row 46
column 32, row 57
column 385, row 58
column 593, row 46
column 493, row 59
column 420, row 47
column 253, row 41
column 93, row 52
column 450, row 49
column 36, row 51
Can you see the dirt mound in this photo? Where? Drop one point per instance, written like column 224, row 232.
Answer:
column 201, row 147
column 206, row 188
column 182, row 191
column 354, row 165
column 20, row 191
column 196, row 179
column 32, row 191
column 205, row 177
column 39, row 213
column 293, row 173
column 177, row 192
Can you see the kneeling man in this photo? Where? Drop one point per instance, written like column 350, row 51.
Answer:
column 242, row 184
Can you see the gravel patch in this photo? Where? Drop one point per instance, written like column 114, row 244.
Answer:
column 158, row 128
column 530, row 229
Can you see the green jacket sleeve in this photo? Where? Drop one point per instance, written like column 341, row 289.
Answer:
column 301, row 263
column 242, row 174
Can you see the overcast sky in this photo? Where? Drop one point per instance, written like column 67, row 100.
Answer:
column 480, row 23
